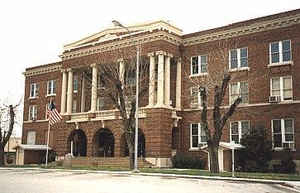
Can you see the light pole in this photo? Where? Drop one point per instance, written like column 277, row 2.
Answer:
column 116, row 23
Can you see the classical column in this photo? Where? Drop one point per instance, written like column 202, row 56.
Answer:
column 160, row 79
column 63, row 92
column 167, row 80
column 82, row 107
column 94, row 88
column 178, row 84
column 151, row 79
column 70, row 91
column 121, row 70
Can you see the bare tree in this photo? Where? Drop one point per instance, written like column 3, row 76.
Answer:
column 7, row 121
column 214, row 84
column 118, row 80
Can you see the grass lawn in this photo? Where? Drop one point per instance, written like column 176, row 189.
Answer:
column 266, row 176
column 194, row 172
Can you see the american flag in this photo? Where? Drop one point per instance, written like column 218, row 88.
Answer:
column 53, row 114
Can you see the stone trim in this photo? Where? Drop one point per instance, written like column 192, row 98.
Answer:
column 42, row 70
column 249, row 105
column 249, row 29
column 161, row 35
column 133, row 29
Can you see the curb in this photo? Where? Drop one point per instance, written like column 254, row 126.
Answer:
column 285, row 184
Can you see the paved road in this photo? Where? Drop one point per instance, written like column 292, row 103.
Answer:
column 42, row 181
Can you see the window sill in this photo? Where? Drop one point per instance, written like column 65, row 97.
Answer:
column 194, row 149
column 283, row 102
column 50, row 95
column 281, row 64
column 197, row 75
column 196, row 106
column 32, row 98
column 75, row 91
column 278, row 149
column 239, row 69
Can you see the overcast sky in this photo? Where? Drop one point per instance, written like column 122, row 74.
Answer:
column 32, row 32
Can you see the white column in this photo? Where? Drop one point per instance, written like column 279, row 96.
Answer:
column 94, row 88
column 70, row 91
column 167, row 80
column 178, row 84
column 63, row 92
column 121, row 71
column 151, row 79
column 160, row 79
column 82, row 107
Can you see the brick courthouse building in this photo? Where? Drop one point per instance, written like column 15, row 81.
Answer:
column 266, row 48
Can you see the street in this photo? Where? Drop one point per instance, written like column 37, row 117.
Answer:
column 45, row 181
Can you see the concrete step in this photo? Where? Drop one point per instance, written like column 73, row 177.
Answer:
column 108, row 162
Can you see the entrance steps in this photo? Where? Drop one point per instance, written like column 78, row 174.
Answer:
column 120, row 162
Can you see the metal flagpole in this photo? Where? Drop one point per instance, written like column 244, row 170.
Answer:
column 47, row 152
column 136, row 111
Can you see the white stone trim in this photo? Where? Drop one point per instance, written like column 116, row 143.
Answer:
column 249, row 105
column 249, row 29
column 134, row 41
column 42, row 70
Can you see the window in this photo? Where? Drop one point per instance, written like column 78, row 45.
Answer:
column 239, row 89
column 238, row 129
column 197, row 135
column 32, row 112
column 31, row 135
column 100, row 103
column 280, row 52
column 128, row 100
column 75, row 84
column 238, row 58
column 283, row 133
column 74, row 106
column 100, row 82
column 130, row 77
column 282, row 87
column 33, row 90
column 198, row 65
column 195, row 97
column 51, row 85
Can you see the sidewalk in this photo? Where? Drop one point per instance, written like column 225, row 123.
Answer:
column 291, row 185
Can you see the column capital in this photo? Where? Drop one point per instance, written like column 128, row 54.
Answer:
column 151, row 54
column 94, row 65
column 63, row 70
column 161, row 52
column 69, row 69
column 120, row 60
column 169, row 55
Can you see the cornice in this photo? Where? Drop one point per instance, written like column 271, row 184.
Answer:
column 42, row 70
column 177, row 40
column 249, row 29
column 121, row 43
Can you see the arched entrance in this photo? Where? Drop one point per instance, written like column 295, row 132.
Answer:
column 103, row 143
column 77, row 140
column 141, row 145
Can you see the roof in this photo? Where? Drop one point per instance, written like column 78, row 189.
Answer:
column 244, row 23
column 32, row 147
column 113, row 33
column 227, row 145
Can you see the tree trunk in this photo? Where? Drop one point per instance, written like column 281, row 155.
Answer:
column 131, row 156
column 1, row 155
column 213, row 158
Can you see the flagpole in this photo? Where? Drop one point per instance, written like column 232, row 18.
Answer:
column 48, row 135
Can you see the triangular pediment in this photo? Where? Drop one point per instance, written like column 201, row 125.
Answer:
column 118, row 32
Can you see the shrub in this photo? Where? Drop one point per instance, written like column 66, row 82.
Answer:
column 185, row 161
column 257, row 154
column 287, row 164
